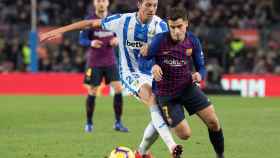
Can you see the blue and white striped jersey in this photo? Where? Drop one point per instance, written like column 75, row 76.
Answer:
column 132, row 34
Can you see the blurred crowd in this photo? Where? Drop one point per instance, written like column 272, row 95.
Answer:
column 211, row 20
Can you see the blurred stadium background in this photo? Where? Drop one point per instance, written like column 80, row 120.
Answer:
column 241, row 40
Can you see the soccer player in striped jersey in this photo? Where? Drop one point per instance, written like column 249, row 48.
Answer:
column 133, row 30
column 175, row 52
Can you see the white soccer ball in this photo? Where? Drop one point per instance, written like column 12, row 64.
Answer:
column 122, row 152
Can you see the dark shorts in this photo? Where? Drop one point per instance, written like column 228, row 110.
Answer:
column 192, row 98
column 94, row 75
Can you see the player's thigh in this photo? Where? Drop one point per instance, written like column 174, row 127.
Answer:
column 194, row 99
column 117, row 86
column 140, row 85
column 111, row 74
column 209, row 117
column 92, row 90
column 172, row 111
column 93, row 76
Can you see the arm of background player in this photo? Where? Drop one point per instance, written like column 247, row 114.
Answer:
column 84, row 38
column 96, row 23
column 198, row 58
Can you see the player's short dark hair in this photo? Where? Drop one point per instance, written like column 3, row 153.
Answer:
column 176, row 13
column 140, row 1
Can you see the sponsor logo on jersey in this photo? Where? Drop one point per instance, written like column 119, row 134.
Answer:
column 175, row 62
column 103, row 34
column 134, row 44
column 165, row 52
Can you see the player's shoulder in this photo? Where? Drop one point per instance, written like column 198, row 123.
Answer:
column 161, row 36
column 192, row 37
column 157, row 18
column 161, row 25
column 129, row 14
column 113, row 17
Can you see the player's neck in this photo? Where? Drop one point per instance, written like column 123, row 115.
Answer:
column 142, row 19
column 101, row 14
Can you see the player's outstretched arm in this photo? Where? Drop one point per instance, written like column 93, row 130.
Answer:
column 53, row 34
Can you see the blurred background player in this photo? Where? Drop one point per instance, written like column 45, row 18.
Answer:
column 174, row 53
column 133, row 30
column 101, row 63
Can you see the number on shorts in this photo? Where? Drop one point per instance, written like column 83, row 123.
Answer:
column 165, row 111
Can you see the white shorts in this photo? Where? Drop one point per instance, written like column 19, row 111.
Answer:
column 132, row 82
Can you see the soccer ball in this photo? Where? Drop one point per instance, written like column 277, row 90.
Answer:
column 122, row 152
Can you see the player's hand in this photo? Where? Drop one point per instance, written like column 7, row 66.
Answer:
column 96, row 44
column 114, row 42
column 144, row 50
column 196, row 77
column 51, row 35
column 157, row 72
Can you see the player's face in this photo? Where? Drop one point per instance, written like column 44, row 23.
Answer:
column 178, row 29
column 101, row 5
column 147, row 9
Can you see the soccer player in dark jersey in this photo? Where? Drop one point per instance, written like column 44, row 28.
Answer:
column 175, row 52
column 101, row 63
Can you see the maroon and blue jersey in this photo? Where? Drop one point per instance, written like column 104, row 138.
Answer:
column 98, row 57
column 176, row 61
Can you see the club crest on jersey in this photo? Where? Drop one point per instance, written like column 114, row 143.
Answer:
column 152, row 32
column 189, row 51
column 88, row 72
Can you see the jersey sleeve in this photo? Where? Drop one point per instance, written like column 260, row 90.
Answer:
column 198, row 58
column 111, row 23
column 154, row 46
column 84, row 38
column 163, row 26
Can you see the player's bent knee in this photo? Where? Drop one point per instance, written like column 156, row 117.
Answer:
column 117, row 86
column 146, row 95
column 214, row 125
column 183, row 131
column 92, row 91
column 118, row 89
column 185, row 136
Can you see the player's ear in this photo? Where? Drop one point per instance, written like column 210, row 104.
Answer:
column 138, row 5
column 187, row 23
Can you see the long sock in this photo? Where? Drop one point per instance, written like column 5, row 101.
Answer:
column 162, row 127
column 90, row 106
column 118, row 106
column 217, row 140
column 149, row 137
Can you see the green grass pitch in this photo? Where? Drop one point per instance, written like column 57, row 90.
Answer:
column 52, row 127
